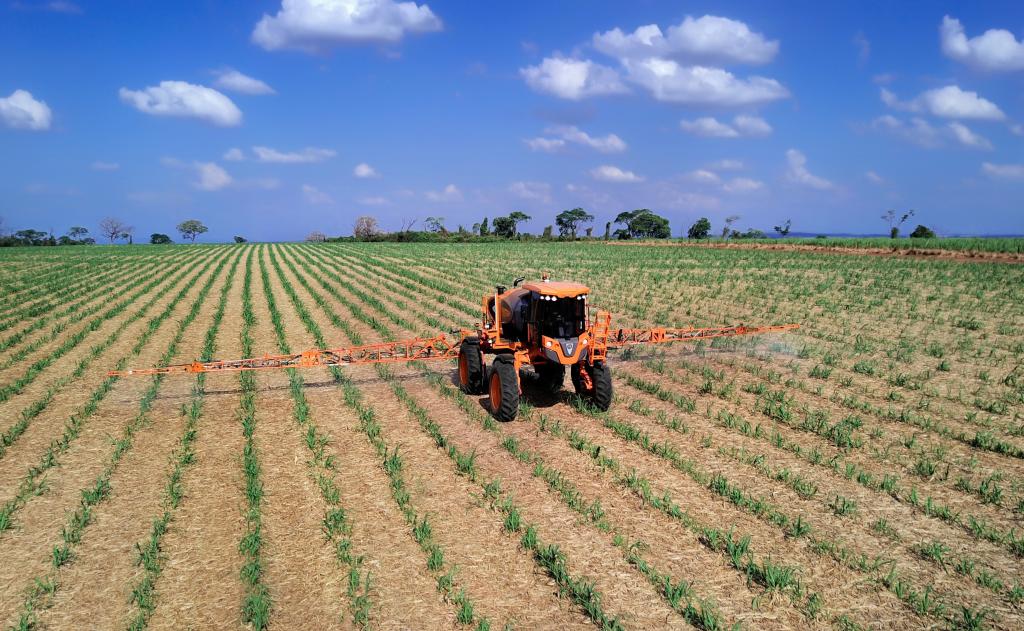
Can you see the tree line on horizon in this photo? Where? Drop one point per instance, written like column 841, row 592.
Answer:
column 641, row 223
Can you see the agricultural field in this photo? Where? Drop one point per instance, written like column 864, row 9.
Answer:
column 864, row 471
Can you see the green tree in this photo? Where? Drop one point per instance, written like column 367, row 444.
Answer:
column 240, row 239
column 922, row 232
column 435, row 224
column 484, row 230
column 729, row 221
column 191, row 228
column 894, row 224
column 643, row 224
column 547, row 232
column 159, row 239
column 504, row 227
column 569, row 220
column 783, row 230
column 701, row 229
column 607, row 230
column 77, row 233
column 518, row 218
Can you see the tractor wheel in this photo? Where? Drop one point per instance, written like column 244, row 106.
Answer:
column 594, row 383
column 551, row 376
column 472, row 374
column 504, row 388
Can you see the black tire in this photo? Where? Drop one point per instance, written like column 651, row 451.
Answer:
column 472, row 373
column 599, row 391
column 504, row 388
column 551, row 377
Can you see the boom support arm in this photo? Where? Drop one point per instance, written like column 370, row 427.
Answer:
column 630, row 337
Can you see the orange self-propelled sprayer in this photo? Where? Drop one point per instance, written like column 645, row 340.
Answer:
column 543, row 324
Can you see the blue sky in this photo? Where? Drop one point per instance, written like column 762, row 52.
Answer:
column 825, row 113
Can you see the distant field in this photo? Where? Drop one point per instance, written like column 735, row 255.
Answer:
column 955, row 244
column 864, row 471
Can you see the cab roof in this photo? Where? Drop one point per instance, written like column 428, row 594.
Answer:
column 558, row 289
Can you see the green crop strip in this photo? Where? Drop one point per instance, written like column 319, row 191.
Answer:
column 34, row 481
column 42, row 588
column 337, row 522
column 150, row 556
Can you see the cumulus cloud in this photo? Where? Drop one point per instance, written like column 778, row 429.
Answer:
column 742, row 185
column 703, row 176
column 742, row 125
column 235, row 81
column 968, row 138
column 211, row 176
column 609, row 173
column 99, row 165
column 706, row 39
column 947, row 102
column 572, row 79
column 373, row 201
column 450, row 193
column 178, row 98
column 920, row 132
column 572, row 134
column 21, row 110
column 726, row 165
column 874, row 178
column 797, row 172
column 1003, row 171
column 533, row 191
column 234, row 155
column 548, row 145
column 307, row 155
column 995, row 50
column 315, row 196
column 365, row 171
column 312, row 25
column 668, row 81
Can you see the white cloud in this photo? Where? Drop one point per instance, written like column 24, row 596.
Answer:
column 798, row 174
column 917, row 130
column 235, row 81
column 364, row 170
column 706, row 39
column 1003, row 171
column 535, row 191
column 874, row 178
column 307, row 155
column 234, row 155
column 21, row 111
column 373, row 201
column 311, row 25
column 726, row 165
column 605, row 144
column 947, row 102
column 99, row 165
column 995, row 50
column 609, row 173
column 314, row 195
column 178, row 98
column 671, row 82
column 863, row 47
column 742, row 185
column 708, row 127
column 742, row 125
column 548, row 145
column 752, row 125
column 211, row 176
column 968, row 138
column 450, row 193
column 572, row 79
column 703, row 176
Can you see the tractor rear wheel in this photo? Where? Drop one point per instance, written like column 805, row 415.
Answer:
column 504, row 388
column 551, row 376
column 593, row 382
column 472, row 373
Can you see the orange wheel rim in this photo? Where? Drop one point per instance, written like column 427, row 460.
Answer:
column 495, row 392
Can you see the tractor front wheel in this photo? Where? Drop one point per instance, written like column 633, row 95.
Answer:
column 593, row 382
column 504, row 388
column 472, row 374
